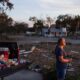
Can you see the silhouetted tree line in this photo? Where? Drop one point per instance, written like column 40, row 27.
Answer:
column 7, row 24
column 72, row 23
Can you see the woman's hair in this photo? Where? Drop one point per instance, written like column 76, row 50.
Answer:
column 59, row 41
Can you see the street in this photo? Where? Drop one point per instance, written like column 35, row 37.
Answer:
column 25, row 75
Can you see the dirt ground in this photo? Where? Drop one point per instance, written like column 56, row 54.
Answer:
column 43, row 55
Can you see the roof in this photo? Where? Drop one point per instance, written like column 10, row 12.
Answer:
column 58, row 30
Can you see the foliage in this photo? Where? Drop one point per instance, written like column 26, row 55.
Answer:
column 20, row 27
column 7, row 26
column 5, row 22
column 72, row 23
column 49, row 21
column 34, row 19
column 38, row 26
column 6, row 4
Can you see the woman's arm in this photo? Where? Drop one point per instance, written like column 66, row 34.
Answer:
column 63, row 60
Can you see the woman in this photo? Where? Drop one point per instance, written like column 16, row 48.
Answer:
column 61, row 61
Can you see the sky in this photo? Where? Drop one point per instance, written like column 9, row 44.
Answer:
column 23, row 9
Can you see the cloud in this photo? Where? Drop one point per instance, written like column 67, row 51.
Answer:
column 59, row 4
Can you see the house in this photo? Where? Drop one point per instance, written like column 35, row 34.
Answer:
column 58, row 32
column 63, row 32
column 45, row 31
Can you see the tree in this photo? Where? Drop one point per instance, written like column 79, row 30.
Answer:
column 21, row 27
column 5, row 22
column 63, row 21
column 49, row 21
column 6, row 4
column 34, row 19
column 10, row 22
column 77, row 20
column 38, row 26
column 71, row 23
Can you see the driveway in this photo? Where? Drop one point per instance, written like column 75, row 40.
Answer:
column 25, row 75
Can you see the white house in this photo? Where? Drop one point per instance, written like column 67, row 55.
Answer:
column 45, row 31
column 62, row 32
